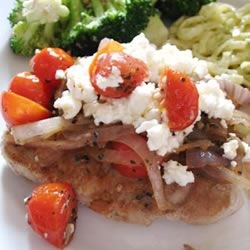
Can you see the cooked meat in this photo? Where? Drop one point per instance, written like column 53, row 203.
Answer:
column 104, row 190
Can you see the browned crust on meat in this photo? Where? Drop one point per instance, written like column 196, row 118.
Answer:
column 104, row 190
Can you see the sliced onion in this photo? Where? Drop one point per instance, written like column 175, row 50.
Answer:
column 198, row 158
column 112, row 156
column 223, row 174
column 38, row 130
column 92, row 136
column 237, row 93
column 151, row 162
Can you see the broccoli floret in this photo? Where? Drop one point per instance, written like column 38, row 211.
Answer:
column 16, row 14
column 173, row 9
column 156, row 31
column 32, row 28
column 29, row 36
column 117, row 19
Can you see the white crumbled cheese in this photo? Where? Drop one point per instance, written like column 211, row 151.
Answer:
column 60, row 74
column 168, row 56
column 68, row 104
column 213, row 100
column 230, row 149
column 146, row 125
column 78, row 81
column 113, row 80
column 246, row 157
column 128, row 110
column 233, row 164
column 175, row 172
column 160, row 138
column 44, row 11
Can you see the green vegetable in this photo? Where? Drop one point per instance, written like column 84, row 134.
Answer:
column 173, row 9
column 28, row 36
column 118, row 19
column 87, row 22
column 156, row 31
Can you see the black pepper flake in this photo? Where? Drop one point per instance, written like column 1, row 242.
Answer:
column 139, row 197
column 132, row 162
column 100, row 156
column 95, row 135
column 183, row 79
column 148, row 194
column 82, row 157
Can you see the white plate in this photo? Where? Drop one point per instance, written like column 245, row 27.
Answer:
column 93, row 231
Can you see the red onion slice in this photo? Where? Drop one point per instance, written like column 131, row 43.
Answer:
column 152, row 163
column 198, row 158
column 237, row 93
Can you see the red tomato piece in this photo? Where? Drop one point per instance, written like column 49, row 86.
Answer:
column 181, row 100
column 18, row 110
column 30, row 86
column 109, row 47
column 123, row 70
column 47, row 62
column 136, row 171
column 52, row 210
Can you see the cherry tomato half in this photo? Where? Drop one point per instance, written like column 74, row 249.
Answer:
column 46, row 62
column 52, row 211
column 181, row 100
column 123, row 71
column 18, row 110
column 109, row 47
column 136, row 171
column 30, row 86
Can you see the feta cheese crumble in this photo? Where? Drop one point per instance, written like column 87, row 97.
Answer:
column 175, row 172
column 128, row 110
column 60, row 74
column 44, row 11
column 113, row 80
column 213, row 100
column 230, row 149
column 68, row 104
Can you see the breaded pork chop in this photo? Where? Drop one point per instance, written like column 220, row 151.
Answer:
column 103, row 189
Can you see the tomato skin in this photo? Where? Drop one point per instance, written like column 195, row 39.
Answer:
column 18, row 110
column 46, row 62
column 181, row 100
column 110, row 47
column 50, row 208
column 134, row 171
column 132, row 71
column 30, row 86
